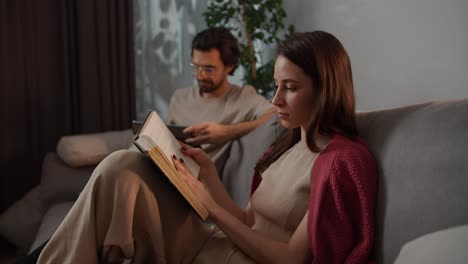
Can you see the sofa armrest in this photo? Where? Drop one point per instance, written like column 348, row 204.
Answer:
column 90, row 149
column 20, row 222
column 443, row 246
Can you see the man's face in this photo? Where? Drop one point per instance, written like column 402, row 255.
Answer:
column 209, row 70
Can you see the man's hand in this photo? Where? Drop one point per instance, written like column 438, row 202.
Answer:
column 215, row 133
column 208, row 133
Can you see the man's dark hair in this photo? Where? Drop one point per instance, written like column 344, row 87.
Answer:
column 221, row 39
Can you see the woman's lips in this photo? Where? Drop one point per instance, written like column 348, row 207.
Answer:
column 282, row 115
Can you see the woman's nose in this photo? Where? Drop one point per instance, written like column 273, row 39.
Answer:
column 278, row 98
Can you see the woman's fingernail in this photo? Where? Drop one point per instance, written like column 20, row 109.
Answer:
column 182, row 160
column 174, row 156
column 183, row 149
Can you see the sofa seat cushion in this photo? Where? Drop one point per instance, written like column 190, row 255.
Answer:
column 51, row 221
column 445, row 246
column 60, row 182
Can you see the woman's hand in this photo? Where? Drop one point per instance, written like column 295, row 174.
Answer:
column 198, row 187
column 207, row 168
column 209, row 179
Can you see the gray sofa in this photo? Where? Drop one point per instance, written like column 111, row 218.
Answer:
column 422, row 157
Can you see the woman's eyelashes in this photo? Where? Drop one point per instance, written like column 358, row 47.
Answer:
column 291, row 89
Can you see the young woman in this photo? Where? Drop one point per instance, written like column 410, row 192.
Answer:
column 313, row 195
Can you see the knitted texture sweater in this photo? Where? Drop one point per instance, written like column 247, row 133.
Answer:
column 343, row 193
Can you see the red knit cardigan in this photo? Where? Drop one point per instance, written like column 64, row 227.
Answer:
column 342, row 199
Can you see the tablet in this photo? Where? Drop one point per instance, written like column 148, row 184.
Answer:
column 178, row 133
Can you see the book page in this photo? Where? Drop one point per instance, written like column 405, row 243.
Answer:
column 156, row 131
column 143, row 144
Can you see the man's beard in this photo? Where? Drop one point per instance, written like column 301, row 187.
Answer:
column 208, row 86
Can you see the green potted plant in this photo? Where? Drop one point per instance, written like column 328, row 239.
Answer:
column 256, row 23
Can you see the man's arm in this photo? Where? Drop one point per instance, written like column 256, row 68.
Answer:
column 214, row 133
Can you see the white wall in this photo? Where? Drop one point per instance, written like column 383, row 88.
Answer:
column 402, row 51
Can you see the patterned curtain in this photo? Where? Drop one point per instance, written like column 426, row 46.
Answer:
column 163, row 33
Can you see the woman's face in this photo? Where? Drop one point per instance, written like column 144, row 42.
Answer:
column 294, row 94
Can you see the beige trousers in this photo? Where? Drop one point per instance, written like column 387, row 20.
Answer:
column 127, row 210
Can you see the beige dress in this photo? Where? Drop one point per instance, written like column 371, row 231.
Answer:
column 128, row 206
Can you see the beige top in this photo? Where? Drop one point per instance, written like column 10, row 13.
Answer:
column 188, row 107
column 282, row 199
column 279, row 204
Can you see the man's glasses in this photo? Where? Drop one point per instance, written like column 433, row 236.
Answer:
column 205, row 70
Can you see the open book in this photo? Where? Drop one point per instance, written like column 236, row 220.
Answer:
column 156, row 141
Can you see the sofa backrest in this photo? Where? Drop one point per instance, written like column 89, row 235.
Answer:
column 422, row 157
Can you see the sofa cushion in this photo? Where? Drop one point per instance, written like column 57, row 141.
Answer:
column 20, row 222
column 90, row 149
column 243, row 155
column 445, row 246
column 51, row 221
column 422, row 157
column 60, row 182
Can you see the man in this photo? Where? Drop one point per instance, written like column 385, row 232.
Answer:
column 216, row 111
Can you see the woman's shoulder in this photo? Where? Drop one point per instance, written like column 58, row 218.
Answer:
column 342, row 147
column 343, row 154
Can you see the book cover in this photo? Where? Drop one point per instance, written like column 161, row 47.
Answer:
column 156, row 141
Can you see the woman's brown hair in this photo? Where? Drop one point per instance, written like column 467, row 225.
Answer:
column 323, row 58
